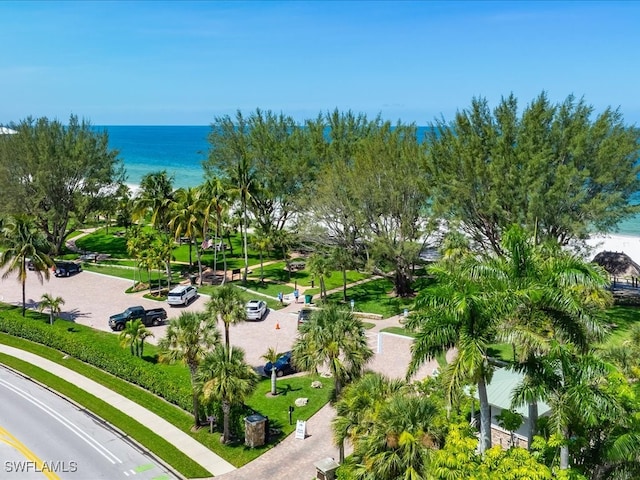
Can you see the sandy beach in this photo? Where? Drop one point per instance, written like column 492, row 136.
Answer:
column 615, row 243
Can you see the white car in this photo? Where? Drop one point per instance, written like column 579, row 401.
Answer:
column 182, row 295
column 256, row 309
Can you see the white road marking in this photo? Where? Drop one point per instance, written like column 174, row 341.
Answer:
column 102, row 450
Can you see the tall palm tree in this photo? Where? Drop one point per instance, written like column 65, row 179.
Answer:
column 21, row 241
column 187, row 218
column 574, row 386
column 335, row 338
column 243, row 179
column 263, row 242
column 216, row 193
column 225, row 377
column 457, row 312
column 357, row 406
column 272, row 356
column 320, row 267
column 188, row 339
column 226, row 304
column 134, row 335
column 155, row 198
column 548, row 295
column 52, row 303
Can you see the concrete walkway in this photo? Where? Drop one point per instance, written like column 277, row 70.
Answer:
column 183, row 442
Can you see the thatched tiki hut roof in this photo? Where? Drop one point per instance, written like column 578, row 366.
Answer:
column 618, row 264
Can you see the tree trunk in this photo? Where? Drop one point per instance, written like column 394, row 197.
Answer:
column 246, row 253
column 564, row 451
column 274, row 374
column 226, row 410
column 533, row 420
column 24, row 295
column 341, row 452
column 215, row 250
column 261, row 268
column 226, row 334
column 485, row 418
column 190, row 254
column 224, row 265
column 402, row 282
column 344, row 284
column 198, row 255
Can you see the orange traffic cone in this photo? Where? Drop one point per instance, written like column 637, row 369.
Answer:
column 277, row 326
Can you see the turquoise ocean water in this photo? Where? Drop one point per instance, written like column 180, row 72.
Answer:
column 180, row 150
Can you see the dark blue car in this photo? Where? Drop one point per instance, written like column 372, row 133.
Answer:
column 283, row 366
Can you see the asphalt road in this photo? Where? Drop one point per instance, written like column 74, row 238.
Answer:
column 44, row 436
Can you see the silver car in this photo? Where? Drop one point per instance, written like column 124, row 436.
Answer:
column 256, row 309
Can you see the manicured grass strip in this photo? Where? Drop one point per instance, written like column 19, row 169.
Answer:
column 399, row 331
column 124, row 272
column 143, row 435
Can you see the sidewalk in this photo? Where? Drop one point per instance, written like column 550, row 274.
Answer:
column 183, row 442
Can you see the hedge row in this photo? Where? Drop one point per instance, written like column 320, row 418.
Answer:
column 101, row 350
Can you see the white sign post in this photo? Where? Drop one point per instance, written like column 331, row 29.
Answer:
column 301, row 429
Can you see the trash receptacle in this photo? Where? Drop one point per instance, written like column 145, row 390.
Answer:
column 192, row 279
column 255, row 430
column 308, row 298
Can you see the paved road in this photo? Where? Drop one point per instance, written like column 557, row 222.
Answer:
column 39, row 428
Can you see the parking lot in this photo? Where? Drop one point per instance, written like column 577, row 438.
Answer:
column 90, row 298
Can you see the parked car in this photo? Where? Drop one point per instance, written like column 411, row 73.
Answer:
column 283, row 366
column 65, row 269
column 303, row 315
column 153, row 316
column 182, row 295
column 256, row 309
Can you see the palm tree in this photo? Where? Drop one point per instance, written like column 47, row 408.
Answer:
column 216, row 194
column 548, row 295
column 457, row 311
column 133, row 336
column 226, row 304
column 22, row 241
column 262, row 242
column 155, row 197
column 187, row 218
column 188, row 339
column 52, row 303
column 357, row 406
column 402, row 434
column 320, row 268
column 272, row 356
column 243, row 179
column 225, row 377
column 335, row 338
column 343, row 259
column 574, row 385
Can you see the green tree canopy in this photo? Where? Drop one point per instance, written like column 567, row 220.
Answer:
column 559, row 169
column 54, row 172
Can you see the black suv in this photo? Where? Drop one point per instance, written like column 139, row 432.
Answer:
column 64, row 269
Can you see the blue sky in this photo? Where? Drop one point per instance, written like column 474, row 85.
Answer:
column 183, row 63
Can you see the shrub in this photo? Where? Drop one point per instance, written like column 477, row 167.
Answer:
column 103, row 351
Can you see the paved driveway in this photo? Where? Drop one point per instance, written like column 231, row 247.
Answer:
column 90, row 298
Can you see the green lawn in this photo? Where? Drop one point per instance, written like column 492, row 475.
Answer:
column 237, row 454
column 101, row 242
column 375, row 296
